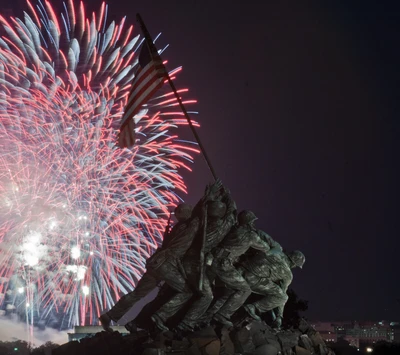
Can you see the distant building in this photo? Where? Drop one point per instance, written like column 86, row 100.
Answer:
column 86, row 331
column 343, row 329
column 395, row 332
column 329, row 337
column 353, row 340
column 369, row 332
column 358, row 334
column 327, row 331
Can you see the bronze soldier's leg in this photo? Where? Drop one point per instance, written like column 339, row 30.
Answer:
column 275, row 297
column 145, row 285
column 234, row 280
column 173, row 306
column 200, row 305
column 170, row 273
column 220, row 301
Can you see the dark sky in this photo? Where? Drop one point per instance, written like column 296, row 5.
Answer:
column 299, row 105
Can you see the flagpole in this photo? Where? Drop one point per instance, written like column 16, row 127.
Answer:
column 150, row 43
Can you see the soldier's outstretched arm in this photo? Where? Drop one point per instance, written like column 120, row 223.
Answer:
column 275, row 247
column 230, row 203
column 256, row 242
column 210, row 193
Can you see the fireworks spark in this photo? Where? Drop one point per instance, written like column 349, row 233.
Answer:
column 78, row 216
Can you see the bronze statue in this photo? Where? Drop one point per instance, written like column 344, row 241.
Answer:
column 219, row 217
column 235, row 244
column 207, row 246
column 270, row 276
column 163, row 265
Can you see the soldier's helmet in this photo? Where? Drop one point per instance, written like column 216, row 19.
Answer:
column 246, row 217
column 297, row 257
column 183, row 212
column 216, row 209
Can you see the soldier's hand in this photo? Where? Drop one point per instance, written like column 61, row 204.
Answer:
column 216, row 186
column 213, row 190
column 225, row 191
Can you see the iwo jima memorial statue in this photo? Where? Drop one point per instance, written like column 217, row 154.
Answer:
column 223, row 282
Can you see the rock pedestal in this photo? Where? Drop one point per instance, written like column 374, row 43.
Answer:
column 254, row 338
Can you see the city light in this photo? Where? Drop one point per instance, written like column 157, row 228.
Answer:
column 369, row 350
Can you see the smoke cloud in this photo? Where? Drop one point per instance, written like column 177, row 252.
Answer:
column 11, row 330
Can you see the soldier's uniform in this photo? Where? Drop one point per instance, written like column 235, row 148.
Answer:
column 163, row 265
column 235, row 244
column 215, row 232
column 270, row 276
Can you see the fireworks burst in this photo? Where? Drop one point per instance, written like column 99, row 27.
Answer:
column 78, row 216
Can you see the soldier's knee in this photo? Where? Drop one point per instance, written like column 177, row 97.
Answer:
column 245, row 291
column 183, row 288
column 208, row 296
column 178, row 287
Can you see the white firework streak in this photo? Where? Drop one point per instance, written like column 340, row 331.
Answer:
column 78, row 216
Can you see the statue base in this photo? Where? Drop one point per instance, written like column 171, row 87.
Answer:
column 250, row 338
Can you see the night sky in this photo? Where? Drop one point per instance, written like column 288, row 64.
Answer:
column 299, row 108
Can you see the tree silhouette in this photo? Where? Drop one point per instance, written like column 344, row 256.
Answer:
column 17, row 347
column 343, row 347
column 385, row 348
column 45, row 349
column 293, row 308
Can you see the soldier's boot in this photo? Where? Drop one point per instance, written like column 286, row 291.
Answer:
column 159, row 322
column 277, row 323
column 252, row 311
column 131, row 327
column 105, row 321
column 222, row 320
column 186, row 327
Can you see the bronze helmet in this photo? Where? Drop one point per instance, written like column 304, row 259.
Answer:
column 183, row 211
column 246, row 217
column 297, row 257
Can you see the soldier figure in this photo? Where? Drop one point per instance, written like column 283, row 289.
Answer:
column 234, row 245
column 270, row 276
column 163, row 265
column 221, row 216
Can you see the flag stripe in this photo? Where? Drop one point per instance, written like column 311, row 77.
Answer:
column 143, row 80
column 143, row 72
column 127, row 134
column 136, row 97
column 148, row 79
column 143, row 87
column 145, row 95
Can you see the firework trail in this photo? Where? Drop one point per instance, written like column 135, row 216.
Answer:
column 78, row 216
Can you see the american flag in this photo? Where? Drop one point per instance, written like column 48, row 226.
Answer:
column 149, row 77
